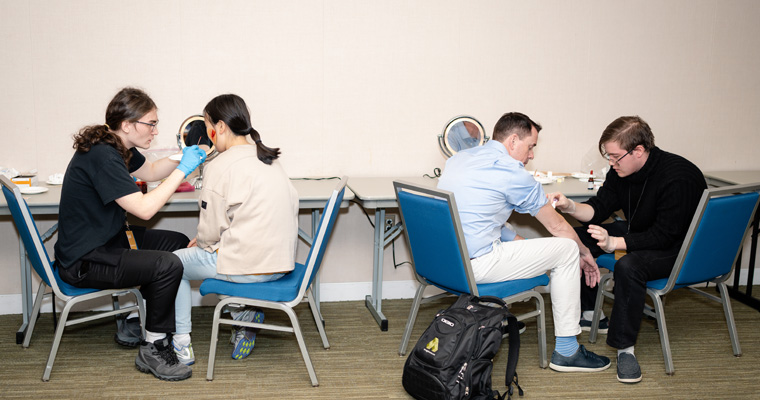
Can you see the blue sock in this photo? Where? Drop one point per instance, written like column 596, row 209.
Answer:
column 566, row 345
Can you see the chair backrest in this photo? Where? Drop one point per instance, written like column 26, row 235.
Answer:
column 435, row 237
column 715, row 236
column 324, row 231
column 28, row 232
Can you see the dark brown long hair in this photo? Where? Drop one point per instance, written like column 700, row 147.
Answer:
column 231, row 109
column 129, row 104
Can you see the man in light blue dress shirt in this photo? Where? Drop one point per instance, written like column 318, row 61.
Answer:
column 489, row 182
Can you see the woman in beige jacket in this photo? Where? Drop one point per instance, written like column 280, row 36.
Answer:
column 248, row 223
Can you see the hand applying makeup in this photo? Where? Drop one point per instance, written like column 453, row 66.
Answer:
column 605, row 241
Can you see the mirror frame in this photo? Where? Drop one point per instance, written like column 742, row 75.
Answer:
column 443, row 142
column 211, row 153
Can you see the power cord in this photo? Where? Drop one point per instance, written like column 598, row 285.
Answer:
column 436, row 172
column 393, row 243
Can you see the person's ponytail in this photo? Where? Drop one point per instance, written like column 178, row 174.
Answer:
column 265, row 154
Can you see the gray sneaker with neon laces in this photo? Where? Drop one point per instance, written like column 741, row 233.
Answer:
column 243, row 338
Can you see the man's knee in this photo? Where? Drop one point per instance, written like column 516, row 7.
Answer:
column 627, row 268
column 568, row 248
column 168, row 264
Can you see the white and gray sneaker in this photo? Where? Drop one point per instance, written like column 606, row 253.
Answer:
column 185, row 354
column 159, row 359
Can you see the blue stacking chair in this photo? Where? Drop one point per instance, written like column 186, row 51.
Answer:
column 37, row 255
column 440, row 258
column 282, row 294
column 708, row 255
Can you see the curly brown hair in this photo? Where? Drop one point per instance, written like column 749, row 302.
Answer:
column 129, row 104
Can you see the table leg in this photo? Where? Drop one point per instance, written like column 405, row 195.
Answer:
column 374, row 302
column 26, row 292
column 310, row 241
column 315, row 284
column 746, row 297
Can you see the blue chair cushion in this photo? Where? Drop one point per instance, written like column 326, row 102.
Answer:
column 281, row 290
column 67, row 289
column 606, row 261
column 505, row 289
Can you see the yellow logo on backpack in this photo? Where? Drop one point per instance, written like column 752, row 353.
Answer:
column 432, row 345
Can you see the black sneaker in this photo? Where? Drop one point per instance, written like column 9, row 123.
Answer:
column 628, row 370
column 128, row 331
column 604, row 325
column 159, row 359
column 582, row 361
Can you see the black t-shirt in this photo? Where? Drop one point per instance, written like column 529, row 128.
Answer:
column 89, row 216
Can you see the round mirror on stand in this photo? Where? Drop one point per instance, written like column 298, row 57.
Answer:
column 193, row 132
column 462, row 132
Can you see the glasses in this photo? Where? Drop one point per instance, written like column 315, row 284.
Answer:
column 617, row 161
column 153, row 126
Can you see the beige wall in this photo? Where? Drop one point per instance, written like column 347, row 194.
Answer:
column 363, row 88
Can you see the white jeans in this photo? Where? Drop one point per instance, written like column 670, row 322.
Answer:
column 523, row 259
column 199, row 265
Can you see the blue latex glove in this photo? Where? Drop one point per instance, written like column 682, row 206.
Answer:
column 192, row 157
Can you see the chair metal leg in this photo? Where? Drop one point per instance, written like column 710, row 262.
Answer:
column 412, row 317
column 316, row 313
column 541, row 325
column 214, row 336
column 140, row 310
column 600, row 293
column 659, row 312
column 57, row 340
column 35, row 313
column 302, row 345
column 728, row 311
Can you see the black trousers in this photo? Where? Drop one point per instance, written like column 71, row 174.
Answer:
column 153, row 267
column 631, row 274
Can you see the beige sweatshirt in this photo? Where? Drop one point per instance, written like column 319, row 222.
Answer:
column 249, row 214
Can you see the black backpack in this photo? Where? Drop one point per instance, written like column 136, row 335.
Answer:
column 452, row 360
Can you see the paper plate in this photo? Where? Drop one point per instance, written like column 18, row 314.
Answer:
column 580, row 175
column 32, row 190
column 544, row 179
column 54, row 183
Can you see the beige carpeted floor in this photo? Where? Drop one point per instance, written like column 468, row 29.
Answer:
column 363, row 362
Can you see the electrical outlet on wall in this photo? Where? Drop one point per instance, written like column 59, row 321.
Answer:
column 390, row 221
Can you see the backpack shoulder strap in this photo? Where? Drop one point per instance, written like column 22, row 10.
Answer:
column 514, row 355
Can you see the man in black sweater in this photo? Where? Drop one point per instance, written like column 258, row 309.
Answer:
column 658, row 193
